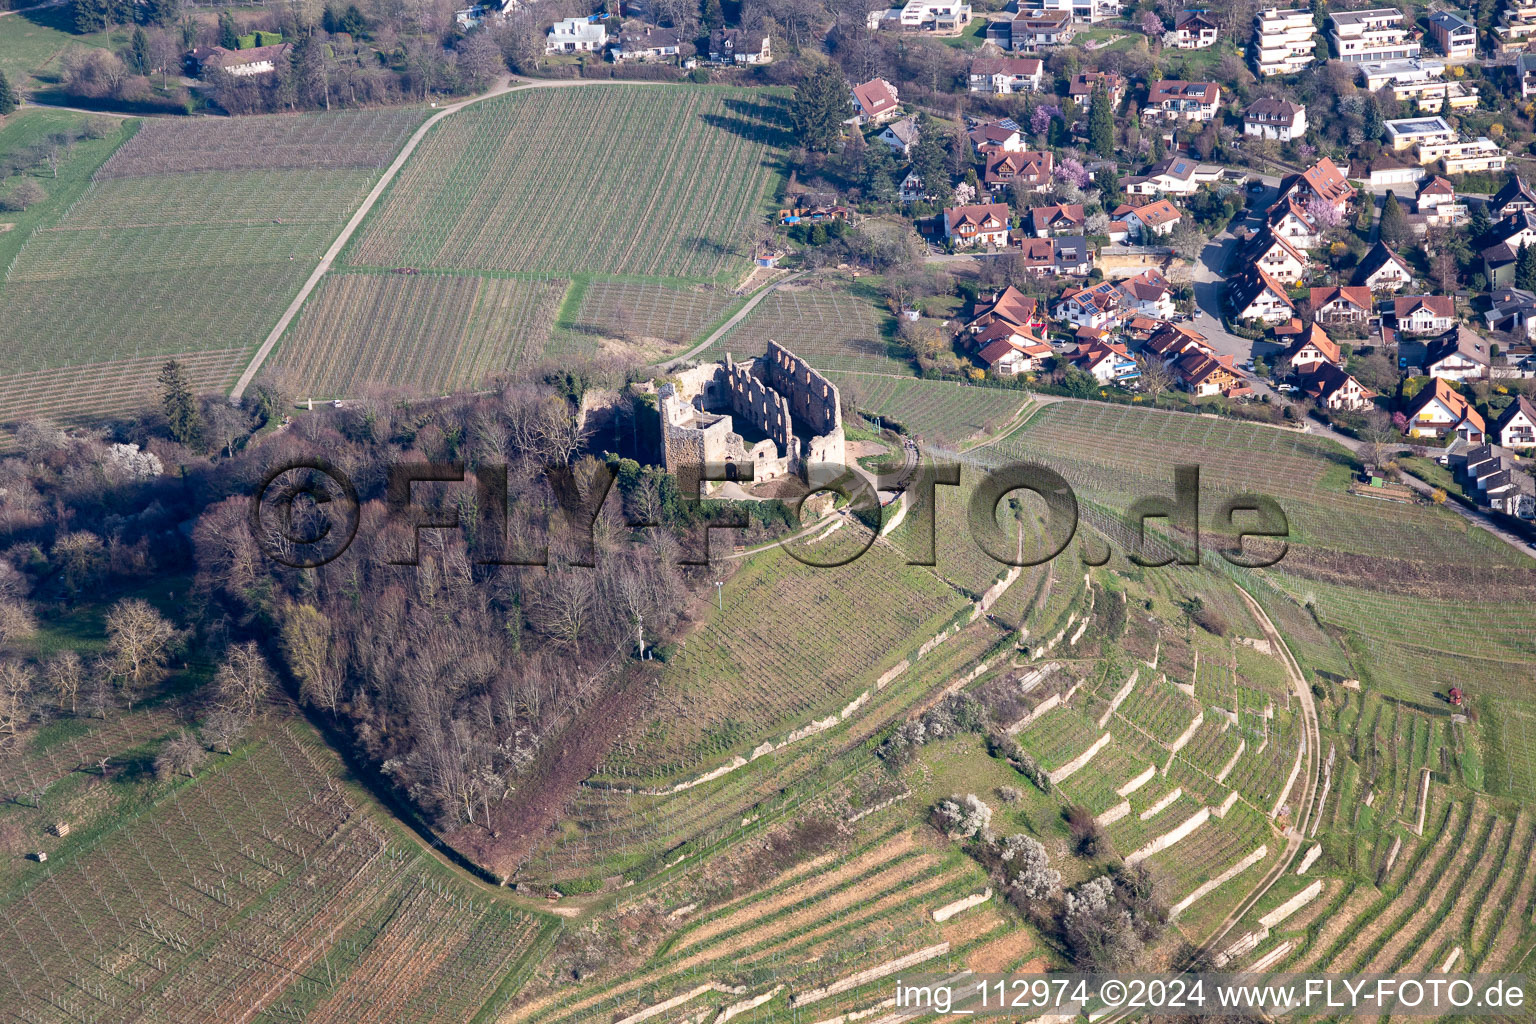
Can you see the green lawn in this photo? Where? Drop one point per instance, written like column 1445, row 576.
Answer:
column 28, row 126
column 31, row 41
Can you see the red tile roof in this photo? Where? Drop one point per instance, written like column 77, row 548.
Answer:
column 875, row 96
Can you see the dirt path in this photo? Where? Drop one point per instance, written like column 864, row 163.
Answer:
column 736, row 318
column 1308, row 782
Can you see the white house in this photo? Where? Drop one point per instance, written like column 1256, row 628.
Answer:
column 1107, row 361
column 576, row 35
column 1179, row 176
column 1257, row 296
column 1097, row 307
column 1192, row 30
column 901, row 136
column 1144, row 224
column 648, row 43
column 1424, row 314
column 1458, row 354
column 1004, row 76
column 1439, row 410
column 1282, row 41
column 1383, row 270
column 1277, row 257
column 1148, row 294
column 1275, row 119
column 1516, row 425
column 1374, row 35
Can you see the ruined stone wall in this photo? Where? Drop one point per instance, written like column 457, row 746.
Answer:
column 763, row 407
column 812, row 398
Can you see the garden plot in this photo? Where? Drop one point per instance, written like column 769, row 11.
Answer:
column 430, row 333
column 661, row 180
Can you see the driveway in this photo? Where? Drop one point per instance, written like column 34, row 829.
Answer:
column 1209, row 282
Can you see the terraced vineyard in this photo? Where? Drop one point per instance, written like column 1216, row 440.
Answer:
column 430, row 333
column 735, row 682
column 189, row 243
column 660, row 180
column 265, row 869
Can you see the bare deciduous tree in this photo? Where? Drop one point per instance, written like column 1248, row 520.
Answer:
column 139, row 643
column 65, row 674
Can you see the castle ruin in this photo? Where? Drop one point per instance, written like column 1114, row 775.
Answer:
column 774, row 413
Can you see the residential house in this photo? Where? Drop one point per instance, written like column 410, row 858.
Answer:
column 576, row 35
column 1524, row 69
column 1072, row 254
column 912, row 190
column 1514, row 197
column 1383, row 270
column 1192, row 30
column 1458, row 354
column 995, row 136
column 1027, row 167
column 1183, row 101
column 1056, row 220
column 1147, row 223
column 1176, row 175
column 1275, row 119
column 1148, row 294
column 1206, row 374
column 874, row 102
column 1437, row 203
column 1008, row 357
column 1087, row 12
column 1311, row 349
column 1036, row 257
column 1332, row 388
column 1514, row 231
column 1277, row 257
column 1513, row 311
column 901, row 136
column 1497, row 480
column 1464, row 156
column 1419, row 82
column 1346, row 304
column 1289, row 219
column 647, row 43
column 1169, row 342
column 1407, row 132
column 247, row 63
column 1010, row 307
column 1516, row 425
column 1323, row 179
column 1108, row 362
column 1517, row 23
column 938, row 18
column 1255, row 295
column 1004, row 76
column 740, row 46
column 1098, row 306
column 1372, row 35
column 1454, row 34
column 1036, row 30
column 980, row 224
column 1424, row 314
column 1439, row 410
column 1282, row 41
column 1082, row 85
